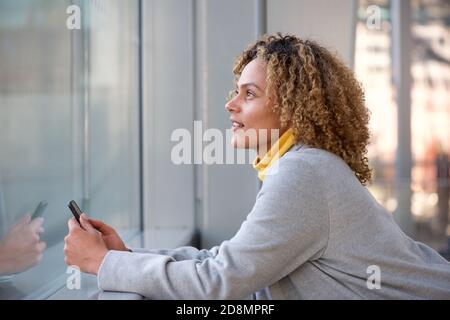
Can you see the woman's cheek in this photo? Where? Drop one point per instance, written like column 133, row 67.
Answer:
column 238, row 139
column 251, row 138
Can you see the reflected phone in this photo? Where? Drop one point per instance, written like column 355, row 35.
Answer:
column 39, row 210
column 75, row 210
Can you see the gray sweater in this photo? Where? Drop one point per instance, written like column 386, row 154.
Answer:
column 314, row 233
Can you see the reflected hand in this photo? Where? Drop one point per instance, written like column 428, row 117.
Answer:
column 84, row 246
column 21, row 247
column 110, row 236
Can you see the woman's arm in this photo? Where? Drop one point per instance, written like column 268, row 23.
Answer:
column 287, row 226
column 182, row 253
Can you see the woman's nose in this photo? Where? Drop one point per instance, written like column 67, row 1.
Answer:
column 231, row 106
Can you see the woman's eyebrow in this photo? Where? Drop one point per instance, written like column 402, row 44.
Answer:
column 250, row 84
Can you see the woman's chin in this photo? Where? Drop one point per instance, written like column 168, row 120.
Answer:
column 243, row 144
column 237, row 143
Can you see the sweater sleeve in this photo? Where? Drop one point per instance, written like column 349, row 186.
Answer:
column 288, row 225
column 182, row 253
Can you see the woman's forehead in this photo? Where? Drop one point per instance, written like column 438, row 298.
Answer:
column 254, row 72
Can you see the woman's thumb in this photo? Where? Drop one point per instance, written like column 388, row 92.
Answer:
column 84, row 220
column 100, row 226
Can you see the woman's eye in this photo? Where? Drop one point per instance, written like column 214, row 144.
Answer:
column 250, row 94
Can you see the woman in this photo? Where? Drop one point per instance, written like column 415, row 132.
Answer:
column 315, row 232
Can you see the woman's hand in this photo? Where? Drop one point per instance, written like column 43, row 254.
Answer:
column 109, row 235
column 84, row 247
column 21, row 247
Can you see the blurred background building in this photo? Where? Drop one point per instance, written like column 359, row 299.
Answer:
column 87, row 114
column 429, row 112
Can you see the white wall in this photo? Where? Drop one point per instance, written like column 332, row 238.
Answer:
column 168, row 105
column 226, row 193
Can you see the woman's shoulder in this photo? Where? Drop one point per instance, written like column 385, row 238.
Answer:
column 298, row 164
column 306, row 164
column 314, row 157
column 314, row 167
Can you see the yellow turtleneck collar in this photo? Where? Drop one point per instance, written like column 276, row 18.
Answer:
column 279, row 148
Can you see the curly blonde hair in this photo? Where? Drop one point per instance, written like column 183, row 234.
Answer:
column 316, row 95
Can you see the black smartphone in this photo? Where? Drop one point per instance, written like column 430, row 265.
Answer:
column 39, row 210
column 75, row 210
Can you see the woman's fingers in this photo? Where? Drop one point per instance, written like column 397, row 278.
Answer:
column 73, row 224
column 36, row 224
column 84, row 220
column 25, row 219
column 101, row 226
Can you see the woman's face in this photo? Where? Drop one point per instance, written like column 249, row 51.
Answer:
column 251, row 110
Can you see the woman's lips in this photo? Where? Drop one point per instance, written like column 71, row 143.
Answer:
column 236, row 125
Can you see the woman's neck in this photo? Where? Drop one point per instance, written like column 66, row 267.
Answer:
column 262, row 150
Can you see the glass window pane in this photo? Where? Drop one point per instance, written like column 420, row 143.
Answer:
column 69, row 115
column 430, row 123
column 36, row 136
column 114, row 113
column 373, row 67
column 430, row 113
